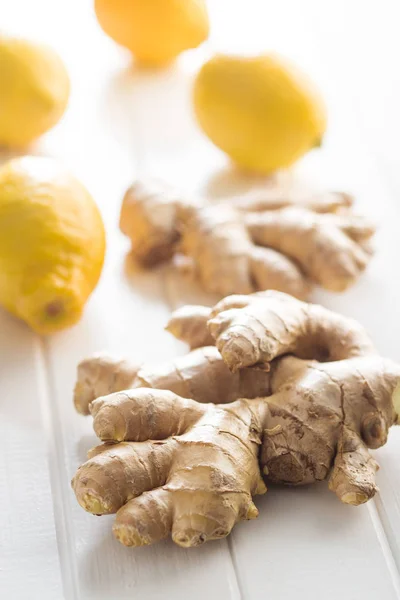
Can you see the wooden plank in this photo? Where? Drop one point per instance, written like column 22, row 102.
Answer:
column 28, row 549
column 126, row 317
column 369, row 75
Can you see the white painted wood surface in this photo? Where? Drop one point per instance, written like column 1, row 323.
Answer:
column 123, row 122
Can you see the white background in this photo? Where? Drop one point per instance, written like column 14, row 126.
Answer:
column 123, row 122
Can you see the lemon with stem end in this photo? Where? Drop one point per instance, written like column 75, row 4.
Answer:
column 262, row 111
column 52, row 243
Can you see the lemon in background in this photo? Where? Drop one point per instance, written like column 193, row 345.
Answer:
column 52, row 243
column 155, row 31
column 34, row 90
column 263, row 111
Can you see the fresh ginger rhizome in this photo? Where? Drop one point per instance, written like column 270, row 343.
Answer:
column 291, row 393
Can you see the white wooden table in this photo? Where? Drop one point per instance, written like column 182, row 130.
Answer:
column 123, row 123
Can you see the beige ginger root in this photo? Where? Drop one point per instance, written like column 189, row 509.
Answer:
column 201, row 375
column 297, row 395
column 251, row 243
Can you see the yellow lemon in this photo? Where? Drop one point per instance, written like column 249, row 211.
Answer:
column 262, row 111
column 52, row 243
column 155, row 31
column 34, row 90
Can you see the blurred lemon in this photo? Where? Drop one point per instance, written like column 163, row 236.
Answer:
column 262, row 111
column 34, row 90
column 155, row 31
column 52, row 243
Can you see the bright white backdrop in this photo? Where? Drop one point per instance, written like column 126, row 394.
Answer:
column 123, row 123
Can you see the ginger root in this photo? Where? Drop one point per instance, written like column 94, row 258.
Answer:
column 201, row 375
column 296, row 394
column 251, row 243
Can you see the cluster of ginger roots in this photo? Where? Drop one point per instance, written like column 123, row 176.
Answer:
column 274, row 389
column 284, row 238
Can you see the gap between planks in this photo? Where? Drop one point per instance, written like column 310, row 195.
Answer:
column 385, row 537
column 360, row 137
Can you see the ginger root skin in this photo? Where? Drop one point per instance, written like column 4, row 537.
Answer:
column 100, row 375
column 277, row 241
column 189, row 324
column 297, row 394
column 201, row 375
